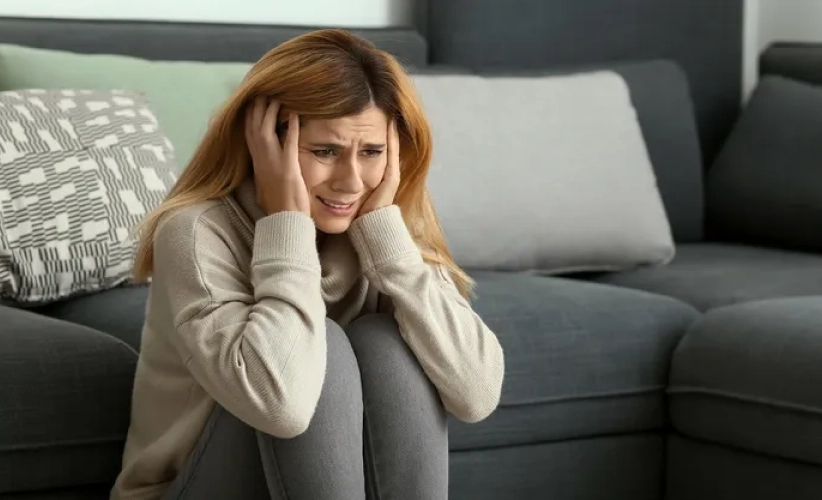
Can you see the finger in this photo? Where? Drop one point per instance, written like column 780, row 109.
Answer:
column 393, row 167
column 292, row 137
column 251, row 133
column 258, row 113
column 269, row 124
column 248, row 122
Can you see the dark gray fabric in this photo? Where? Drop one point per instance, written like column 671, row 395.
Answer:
column 65, row 394
column 185, row 41
column 628, row 467
column 704, row 36
column 748, row 376
column 378, row 432
column 800, row 61
column 711, row 275
column 93, row 492
column 582, row 359
column 119, row 312
column 765, row 185
column 700, row 471
column 659, row 92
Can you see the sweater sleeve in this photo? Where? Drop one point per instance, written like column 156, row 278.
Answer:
column 255, row 341
column 458, row 352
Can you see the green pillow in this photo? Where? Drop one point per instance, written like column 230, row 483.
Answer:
column 183, row 94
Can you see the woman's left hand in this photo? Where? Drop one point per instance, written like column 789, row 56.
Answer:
column 383, row 195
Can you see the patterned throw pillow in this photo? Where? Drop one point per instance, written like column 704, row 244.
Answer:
column 78, row 170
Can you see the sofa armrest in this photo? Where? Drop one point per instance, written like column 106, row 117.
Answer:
column 65, row 393
column 799, row 61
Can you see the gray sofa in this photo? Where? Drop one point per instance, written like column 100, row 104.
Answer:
column 695, row 380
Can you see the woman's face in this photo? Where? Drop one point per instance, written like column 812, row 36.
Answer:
column 343, row 161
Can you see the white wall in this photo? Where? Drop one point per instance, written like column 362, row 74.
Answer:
column 790, row 20
column 767, row 21
column 340, row 13
column 750, row 46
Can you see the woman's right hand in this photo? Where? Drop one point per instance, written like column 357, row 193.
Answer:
column 277, row 174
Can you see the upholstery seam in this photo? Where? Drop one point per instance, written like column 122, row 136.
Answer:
column 27, row 447
column 552, row 441
column 582, row 397
column 795, row 407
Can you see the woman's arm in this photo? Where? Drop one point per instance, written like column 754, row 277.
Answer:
column 458, row 352
column 256, row 342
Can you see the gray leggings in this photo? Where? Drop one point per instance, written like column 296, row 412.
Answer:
column 379, row 432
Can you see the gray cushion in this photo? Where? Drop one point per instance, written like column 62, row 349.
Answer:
column 65, row 392
column 697, row 470
column 119, row 312
column 585, row 469
column 590, row 201
column 662, row 100
column 797, row 60
column 708, row 275
column 765, row 185
column 748, row 376
column 582, row 359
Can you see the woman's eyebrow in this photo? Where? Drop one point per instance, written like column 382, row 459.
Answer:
column 335, row 145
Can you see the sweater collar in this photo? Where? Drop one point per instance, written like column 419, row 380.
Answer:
column 340, row 262
column 246, row 196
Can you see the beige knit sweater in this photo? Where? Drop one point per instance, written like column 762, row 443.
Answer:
column 236, row 316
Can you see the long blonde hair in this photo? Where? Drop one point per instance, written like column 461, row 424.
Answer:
column 322, row 74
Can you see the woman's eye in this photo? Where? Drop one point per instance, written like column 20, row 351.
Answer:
column 323, row 153
column 371, row 153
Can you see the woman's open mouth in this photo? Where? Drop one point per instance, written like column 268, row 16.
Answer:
column 337, row 207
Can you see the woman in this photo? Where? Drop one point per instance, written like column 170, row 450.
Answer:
column 307, row 329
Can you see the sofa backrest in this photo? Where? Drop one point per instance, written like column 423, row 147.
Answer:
column 662, row 98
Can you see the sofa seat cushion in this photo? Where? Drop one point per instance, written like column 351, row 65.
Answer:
column 708, row 275
column 582, row 359
column 65, row 392
column 119, row 312
column 748, row 376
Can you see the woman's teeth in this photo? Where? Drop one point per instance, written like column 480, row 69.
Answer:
column 334, row 204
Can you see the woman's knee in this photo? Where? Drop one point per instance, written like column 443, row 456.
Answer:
column 341, row 363
column 374, row 337
column 392, row 377
column 381, row 350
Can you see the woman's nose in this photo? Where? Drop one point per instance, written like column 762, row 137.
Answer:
column 347, row 177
